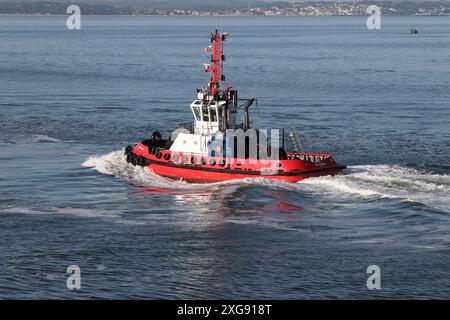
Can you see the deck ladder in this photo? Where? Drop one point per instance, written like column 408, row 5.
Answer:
column 295, row 138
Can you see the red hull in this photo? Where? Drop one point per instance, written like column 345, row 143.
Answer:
column 201, row 169
column 199, row 176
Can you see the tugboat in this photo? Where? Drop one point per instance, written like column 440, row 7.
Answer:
column 216, row 147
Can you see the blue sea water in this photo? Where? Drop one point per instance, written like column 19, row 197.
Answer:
column 70, row 101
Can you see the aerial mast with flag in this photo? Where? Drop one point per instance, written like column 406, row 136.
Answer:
column 217, row 58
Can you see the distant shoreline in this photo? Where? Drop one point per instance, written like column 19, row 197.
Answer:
column 210, row 16
column 306, row 8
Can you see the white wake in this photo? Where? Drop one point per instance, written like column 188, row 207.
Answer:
column 361, row 182
column 389, row 181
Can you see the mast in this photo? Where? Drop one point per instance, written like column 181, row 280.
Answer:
column 217, row 58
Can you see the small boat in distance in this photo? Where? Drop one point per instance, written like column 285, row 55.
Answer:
column 216, row 147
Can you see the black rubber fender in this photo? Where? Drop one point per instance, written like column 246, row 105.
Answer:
column 128, row 149
column 146, row 162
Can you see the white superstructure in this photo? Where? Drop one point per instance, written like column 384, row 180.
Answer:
column 207, row 121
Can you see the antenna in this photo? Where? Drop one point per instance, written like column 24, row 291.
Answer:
column 217, row 58
column 257, row 107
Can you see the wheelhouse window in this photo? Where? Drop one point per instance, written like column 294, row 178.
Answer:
column 205, row 114
column 213, row 114
column 197, row 113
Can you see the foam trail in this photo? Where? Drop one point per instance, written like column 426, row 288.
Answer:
column 115, row 164
column 44, row 138
column 366, row 182
column 390, row 181
column 25, row 139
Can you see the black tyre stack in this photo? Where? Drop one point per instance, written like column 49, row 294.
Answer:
column 134, row 159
